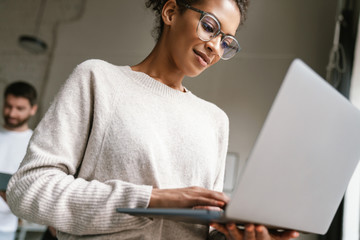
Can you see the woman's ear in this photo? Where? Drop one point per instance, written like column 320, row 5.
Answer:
column 168, row 12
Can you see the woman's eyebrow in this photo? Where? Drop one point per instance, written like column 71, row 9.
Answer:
column 220, row 23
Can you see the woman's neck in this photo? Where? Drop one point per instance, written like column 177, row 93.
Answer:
column 161, row 67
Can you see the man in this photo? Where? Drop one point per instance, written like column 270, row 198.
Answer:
column 19, row 106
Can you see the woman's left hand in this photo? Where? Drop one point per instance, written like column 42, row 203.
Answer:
column 252, row 232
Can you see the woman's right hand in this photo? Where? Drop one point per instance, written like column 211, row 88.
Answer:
column 186, row 198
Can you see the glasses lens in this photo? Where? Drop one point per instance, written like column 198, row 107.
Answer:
column 208, row 28
column 229, row 46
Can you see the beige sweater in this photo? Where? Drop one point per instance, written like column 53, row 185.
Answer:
column 110, row 136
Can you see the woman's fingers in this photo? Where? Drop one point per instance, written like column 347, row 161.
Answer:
column 262, row 232
column 252, row 232
column 187, row 198
column 235, row 233
column 285, row 234
column 204, row 201
column 210, row 208
column 249, row 233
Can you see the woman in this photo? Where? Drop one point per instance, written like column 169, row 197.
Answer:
column 120, row 136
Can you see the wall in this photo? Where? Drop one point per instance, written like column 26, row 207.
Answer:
column 18, row 17
column 276, row 32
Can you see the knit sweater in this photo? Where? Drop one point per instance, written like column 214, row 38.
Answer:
column 109, row 137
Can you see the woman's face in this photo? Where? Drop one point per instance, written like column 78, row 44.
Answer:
column 190, row 54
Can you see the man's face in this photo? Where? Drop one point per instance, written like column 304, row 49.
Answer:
column 17, row 111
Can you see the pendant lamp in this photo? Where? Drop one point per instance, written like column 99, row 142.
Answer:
column 33, row 43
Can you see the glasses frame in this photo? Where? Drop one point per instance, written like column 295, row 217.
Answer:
column 223, row 35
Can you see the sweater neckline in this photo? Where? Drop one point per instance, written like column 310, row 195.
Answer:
column 156, row 86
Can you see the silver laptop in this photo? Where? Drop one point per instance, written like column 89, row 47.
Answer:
column 300, row 165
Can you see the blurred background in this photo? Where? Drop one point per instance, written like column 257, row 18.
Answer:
column 41, row 41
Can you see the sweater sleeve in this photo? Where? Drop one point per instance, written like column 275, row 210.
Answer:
column 46, row 190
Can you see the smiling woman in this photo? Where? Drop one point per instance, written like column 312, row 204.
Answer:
column 134, row 136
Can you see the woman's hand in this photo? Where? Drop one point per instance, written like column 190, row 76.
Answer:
column 252, row 232
column 186, row 198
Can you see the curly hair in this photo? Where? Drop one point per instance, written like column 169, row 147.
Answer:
column 157, row 5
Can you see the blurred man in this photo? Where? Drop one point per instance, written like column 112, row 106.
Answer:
column 19, row 106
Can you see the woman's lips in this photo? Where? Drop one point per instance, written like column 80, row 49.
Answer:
column 203, row 59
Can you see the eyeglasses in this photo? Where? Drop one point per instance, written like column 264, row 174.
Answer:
column 209, row 28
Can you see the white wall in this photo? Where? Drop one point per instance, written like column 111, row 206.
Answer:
column 18, row 17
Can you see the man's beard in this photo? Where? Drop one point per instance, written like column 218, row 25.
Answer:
column 18, row 123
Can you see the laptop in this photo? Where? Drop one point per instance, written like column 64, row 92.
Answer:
column 4, row 179
column 299, row 168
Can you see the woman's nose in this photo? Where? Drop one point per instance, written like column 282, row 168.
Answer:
column 214, row 45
